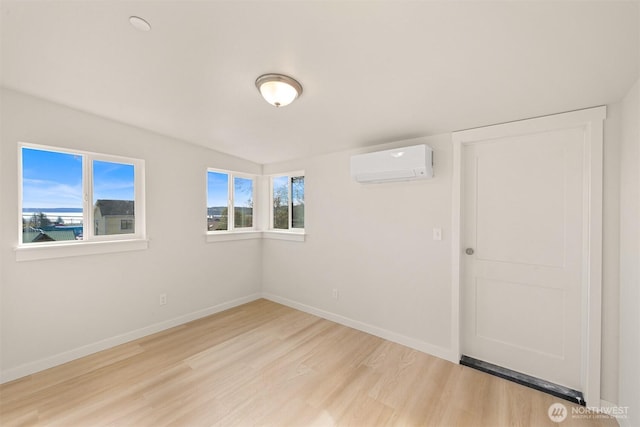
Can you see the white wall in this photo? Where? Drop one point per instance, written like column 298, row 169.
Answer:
column 371, row 242
column 629, row 392
column 54, row 310
column 374, row 244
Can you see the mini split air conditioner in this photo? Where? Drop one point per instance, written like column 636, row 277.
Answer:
column 399, row 164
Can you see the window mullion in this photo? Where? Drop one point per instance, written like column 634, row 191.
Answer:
column 290, row 203
column 87, row 191
column 21, row 225
column 139, row 204
column 270, row 204
column 230, row 209
column 254, row 217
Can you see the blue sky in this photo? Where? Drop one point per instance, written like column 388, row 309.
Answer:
column 114, row 181
column 54, row 180
column 243, row 192
column 218, row 190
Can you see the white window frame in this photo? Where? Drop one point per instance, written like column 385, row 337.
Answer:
column 91, row 243
column 279, row 233
column 233, row 233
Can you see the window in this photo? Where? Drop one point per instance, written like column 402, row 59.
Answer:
column 64, row 191
column 113, row 198
column 287, row 202
column 217, row 201
column 242, row 202
column 229, row 201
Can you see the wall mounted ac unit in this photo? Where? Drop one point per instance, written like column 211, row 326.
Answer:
column 399, row 164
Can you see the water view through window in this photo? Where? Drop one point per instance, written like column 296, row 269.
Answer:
column 53, row 188
column 51, row 196
column 217, row 201
column 221, row 196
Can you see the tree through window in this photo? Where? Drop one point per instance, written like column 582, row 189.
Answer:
column 287, row 200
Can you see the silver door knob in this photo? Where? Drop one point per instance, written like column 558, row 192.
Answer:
column 468, row 251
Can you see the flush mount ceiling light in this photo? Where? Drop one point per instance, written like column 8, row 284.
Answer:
column 139, row 23
column 277, row 89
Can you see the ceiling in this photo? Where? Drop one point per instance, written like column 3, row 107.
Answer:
column 372, row 72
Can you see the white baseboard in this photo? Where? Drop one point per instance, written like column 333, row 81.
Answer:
column 433, row 350
column 67, row 356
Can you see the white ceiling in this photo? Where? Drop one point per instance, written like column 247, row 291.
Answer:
column 372, row 72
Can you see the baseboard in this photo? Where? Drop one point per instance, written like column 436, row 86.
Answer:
column 413, row 343
column 67, row 356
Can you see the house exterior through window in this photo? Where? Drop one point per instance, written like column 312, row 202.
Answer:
column 113, row 217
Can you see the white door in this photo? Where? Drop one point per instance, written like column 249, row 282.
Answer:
column 524, row 210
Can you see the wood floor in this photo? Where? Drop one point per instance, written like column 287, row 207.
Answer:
column 266, row 364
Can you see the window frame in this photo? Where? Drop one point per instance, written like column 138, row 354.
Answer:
column 232, row 232
column 271, row 226
column 88, row 217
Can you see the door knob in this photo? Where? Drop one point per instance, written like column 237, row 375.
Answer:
column 468, row 251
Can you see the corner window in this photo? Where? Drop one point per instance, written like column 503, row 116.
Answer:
column 287, row 202
column 242, row 202
column 64, row 192
column 229, row 201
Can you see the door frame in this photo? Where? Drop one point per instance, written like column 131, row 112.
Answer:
column 591, row 120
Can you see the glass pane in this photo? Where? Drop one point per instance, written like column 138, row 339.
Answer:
column 281, row 202
column 113, row 198
column 243, row 202
column 297, row 202
column 51, row 196
column 217, row 201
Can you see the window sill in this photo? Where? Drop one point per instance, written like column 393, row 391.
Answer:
column 63, row 250
column 294, row 236
column 225, row 236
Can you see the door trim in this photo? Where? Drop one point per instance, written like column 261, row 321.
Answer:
column 591, row 120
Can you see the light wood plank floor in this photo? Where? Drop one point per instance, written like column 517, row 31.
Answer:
column 266, row 364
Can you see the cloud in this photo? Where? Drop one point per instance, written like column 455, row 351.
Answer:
column 38, row 193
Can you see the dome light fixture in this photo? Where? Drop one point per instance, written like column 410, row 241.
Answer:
column 277, row 89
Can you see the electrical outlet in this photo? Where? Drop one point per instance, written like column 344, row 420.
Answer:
column 334, row 294
column 163, row 299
